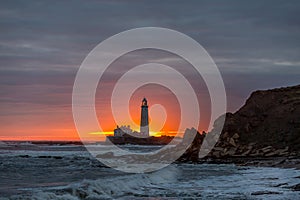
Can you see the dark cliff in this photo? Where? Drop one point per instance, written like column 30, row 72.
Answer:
column 268, row 124
column 270, row 117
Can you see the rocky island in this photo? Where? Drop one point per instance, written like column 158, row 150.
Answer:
column 125, row 135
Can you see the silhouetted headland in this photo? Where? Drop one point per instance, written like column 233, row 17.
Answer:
column 263, row 132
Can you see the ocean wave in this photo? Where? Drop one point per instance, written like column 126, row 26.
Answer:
column 107, row 188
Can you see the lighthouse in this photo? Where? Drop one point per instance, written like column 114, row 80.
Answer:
column 144, row 128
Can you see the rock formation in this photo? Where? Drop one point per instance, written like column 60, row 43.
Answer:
column 267, row 125
column 191, row 154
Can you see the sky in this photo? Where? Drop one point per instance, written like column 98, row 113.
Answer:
column 255, row 44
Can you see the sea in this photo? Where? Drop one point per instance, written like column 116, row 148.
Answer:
column 69, row 171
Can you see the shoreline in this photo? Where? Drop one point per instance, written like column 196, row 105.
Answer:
column 276, row 161
column 284, row 161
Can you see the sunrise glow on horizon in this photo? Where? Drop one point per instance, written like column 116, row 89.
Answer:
column 67, row 131
column 44, row 45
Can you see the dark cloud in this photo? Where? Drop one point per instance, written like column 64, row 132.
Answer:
column 256, row 44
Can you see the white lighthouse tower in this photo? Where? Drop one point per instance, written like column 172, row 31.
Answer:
column 144, row 129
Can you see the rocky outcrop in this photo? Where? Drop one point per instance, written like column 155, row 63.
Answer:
column 195, row 139
column 267, row 125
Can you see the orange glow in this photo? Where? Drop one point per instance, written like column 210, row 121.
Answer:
column 155, row 94
column 37, row 122
column 162, row 96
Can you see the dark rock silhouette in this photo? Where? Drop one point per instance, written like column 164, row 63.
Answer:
column 270, row 117
column 267, row 125
column 129, row 139
column 192, row 152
